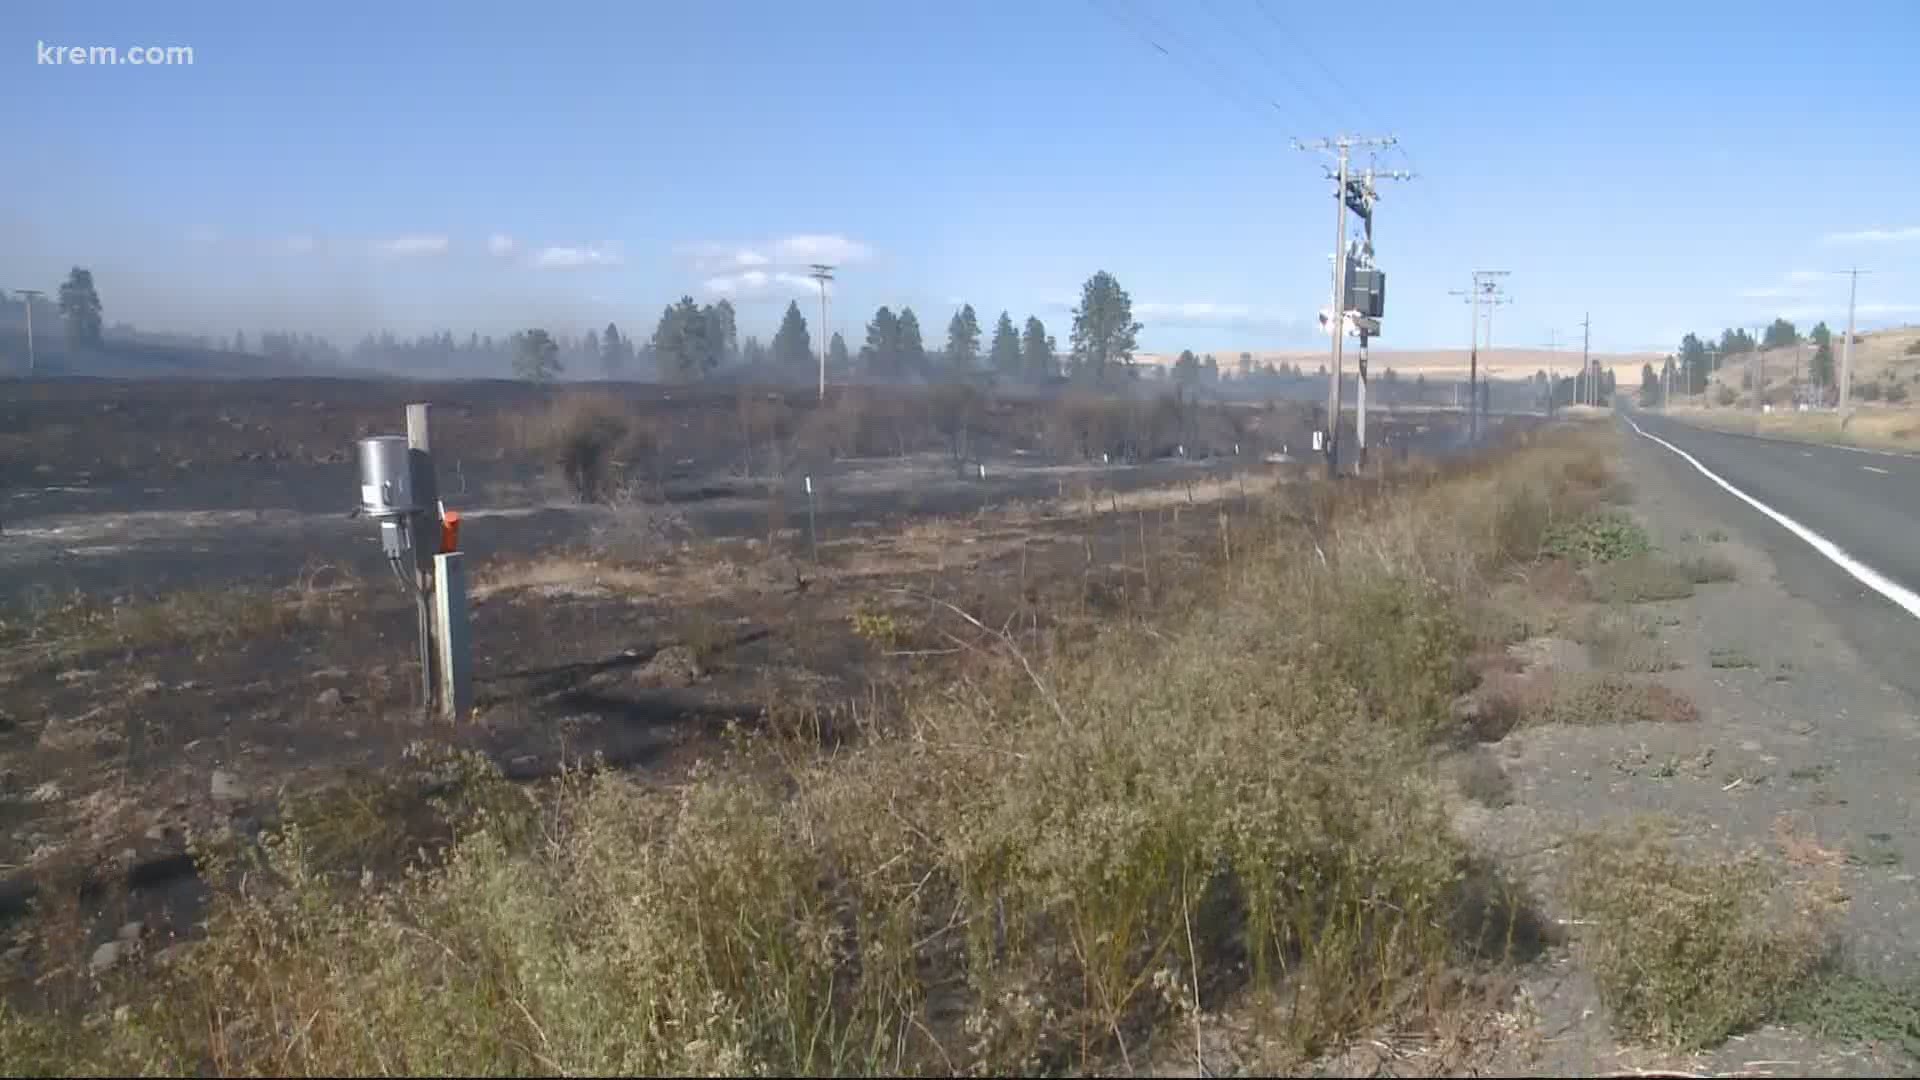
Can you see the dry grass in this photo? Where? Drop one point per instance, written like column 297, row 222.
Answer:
column 1048, row 863
column 1624, row 640
column 1888, row 427
column 1687, row 953
column 1606, row 698
column 1641, row 579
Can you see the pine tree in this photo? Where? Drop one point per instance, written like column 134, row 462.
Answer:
column 792, row 346
column 1005, row 353
column 1036, row 351
column 80, row 307
column 881, row 353
column 837, row 360
column 1104, row 332
column 912, row 351
column 963, row 340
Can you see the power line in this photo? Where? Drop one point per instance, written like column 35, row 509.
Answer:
column 1303, row 88
column 1299, row 44
column 1246, row 98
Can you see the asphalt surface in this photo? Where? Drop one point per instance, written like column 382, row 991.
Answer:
column 1864, row 502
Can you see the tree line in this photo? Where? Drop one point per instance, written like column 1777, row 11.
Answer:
column 1692, row 366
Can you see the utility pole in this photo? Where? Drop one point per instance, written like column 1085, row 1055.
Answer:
column 823, row 273
column 1493, row 297
column 1586, row 359
column 1483, row 286
column 31, row 295
column 1553, row 351
column 1358, row 193
column 1846, row 348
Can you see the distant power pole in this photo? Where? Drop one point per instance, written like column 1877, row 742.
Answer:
column 1485, row 289
column 1846, row 348
column 1553, row 353
column 823, row 273
column 31, row 295
column 1357, row 193
column 1586, row 359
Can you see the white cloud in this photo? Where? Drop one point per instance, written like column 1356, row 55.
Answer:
column 569, row 258
column 500, row 244
column 298, row 244
column 760, row 285
column 750, row 258
column 1804, row 276
column 1874, row 236
column 202, row 237
column 1769, row 292
column 413, row 245
column 821, row 248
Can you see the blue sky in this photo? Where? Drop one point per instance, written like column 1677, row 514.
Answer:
column 351, row 166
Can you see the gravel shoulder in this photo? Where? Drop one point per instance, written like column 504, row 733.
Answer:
column 1801, row 751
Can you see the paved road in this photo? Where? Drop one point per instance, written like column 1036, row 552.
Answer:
column 1865, row 504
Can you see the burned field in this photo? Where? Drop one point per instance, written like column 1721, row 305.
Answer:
column 200, row 642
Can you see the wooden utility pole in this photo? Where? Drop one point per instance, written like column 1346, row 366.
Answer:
column 1586, row 359
column 30, row 295
column 1347, row 188
column 823, row 273
column 1846, row 348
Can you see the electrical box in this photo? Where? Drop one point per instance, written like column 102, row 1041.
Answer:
column 1366, row 291
column 386, row 477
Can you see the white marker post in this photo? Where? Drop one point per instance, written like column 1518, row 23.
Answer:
column 813, row 533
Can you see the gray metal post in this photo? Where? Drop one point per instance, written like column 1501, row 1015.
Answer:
column 452, row 634
column 1360, row 405
column 426, row 538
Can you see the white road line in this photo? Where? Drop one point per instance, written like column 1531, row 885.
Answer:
column 1871, row 468
column 1866, row 575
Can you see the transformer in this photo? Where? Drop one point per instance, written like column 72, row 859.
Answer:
column 1366, row 291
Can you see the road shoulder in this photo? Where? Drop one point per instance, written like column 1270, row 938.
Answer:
column 1799, row 753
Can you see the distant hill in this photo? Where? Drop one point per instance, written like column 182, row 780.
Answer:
column 139, row 360
column 1439, row 364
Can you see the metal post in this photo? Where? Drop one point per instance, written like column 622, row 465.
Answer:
column 451, row 633
column 1360, row 406
column 425, row 537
